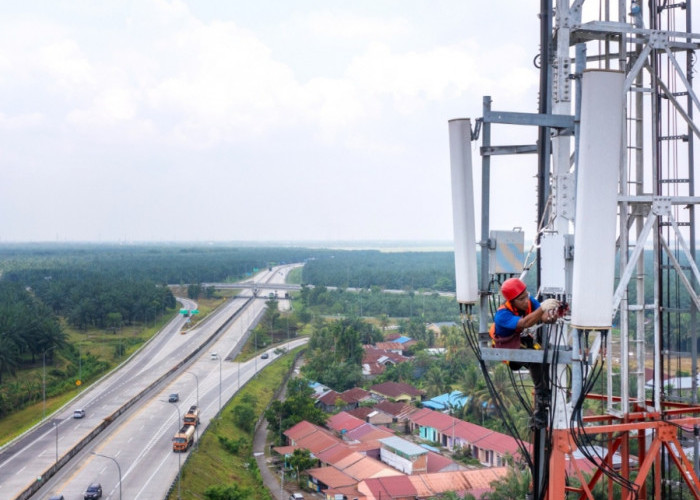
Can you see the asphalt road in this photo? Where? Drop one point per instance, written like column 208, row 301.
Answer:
column 133, row 458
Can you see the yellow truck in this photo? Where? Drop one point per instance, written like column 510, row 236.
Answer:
column 184, row 438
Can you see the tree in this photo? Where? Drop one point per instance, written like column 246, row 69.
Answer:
column 451, row 495
column 300, row 461
column 515, row 484
column 8, row 356
column 194, row 291
column 298, row 406
column 244, row 416
column 434, row 382
column 114, row 320
column 502, row 386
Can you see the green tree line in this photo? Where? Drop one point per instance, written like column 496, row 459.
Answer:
column 398, row 271
column 430, row 307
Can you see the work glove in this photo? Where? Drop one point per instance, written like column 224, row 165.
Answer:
column 550, row 305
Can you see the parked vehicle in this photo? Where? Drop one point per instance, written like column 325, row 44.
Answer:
column 79, row 413
column 296, row 496
column 192, row 416
column 174, row 398
column 94, row 491
column 184, row 438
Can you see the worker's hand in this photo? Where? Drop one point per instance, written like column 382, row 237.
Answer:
column 550, row 305
column 549, row 310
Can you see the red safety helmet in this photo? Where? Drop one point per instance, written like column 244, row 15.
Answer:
column 512, row 287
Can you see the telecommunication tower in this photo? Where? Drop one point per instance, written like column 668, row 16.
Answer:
column 615, row 241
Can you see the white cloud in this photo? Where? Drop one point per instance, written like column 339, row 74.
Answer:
column 347, row 25
column 65, row 64
column 20, row 122
column 324, row 107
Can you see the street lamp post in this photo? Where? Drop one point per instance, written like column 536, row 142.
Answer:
column 179, row 454
column 118, row 469
column 219, row 358
column 55, row 426
column 197, row 379
column 43, row 357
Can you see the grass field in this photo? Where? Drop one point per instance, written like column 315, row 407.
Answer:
column 98, row 352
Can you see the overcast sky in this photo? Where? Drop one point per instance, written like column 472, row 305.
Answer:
column 240, row 120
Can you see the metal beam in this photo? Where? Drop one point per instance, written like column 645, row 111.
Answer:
column 526, row 355
column 508, row 150
column 538, row 119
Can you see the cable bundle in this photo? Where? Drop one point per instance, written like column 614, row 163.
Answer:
column 585, row 442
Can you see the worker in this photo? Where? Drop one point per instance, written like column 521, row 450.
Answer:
column 511, row 330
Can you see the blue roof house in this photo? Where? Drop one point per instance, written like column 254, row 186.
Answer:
column 446, row 402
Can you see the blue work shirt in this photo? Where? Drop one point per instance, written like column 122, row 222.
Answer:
column 506, row 322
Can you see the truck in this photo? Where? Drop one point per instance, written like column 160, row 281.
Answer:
column 183, row 438
column 192, row 416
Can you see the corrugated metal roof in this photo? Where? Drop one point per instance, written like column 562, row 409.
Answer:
column 368, row 467
column 404, row 446
column 355, row 395
column 437, row 463
column 317, row 442
column 365, row 446
column 434, row 419
column 368, row 432
column 498, row 442
column 329, row 398
column 393, row 389
column 431, row 485
column 345, row 491
column 362, row 412
column 300, row 430
column 334, row 453
column 285, row 450
column 397, row 486
column 470, row 432
column 348, row 460
column 331, row 477
column 397, row 346
column 398, row 410
column 343, row 421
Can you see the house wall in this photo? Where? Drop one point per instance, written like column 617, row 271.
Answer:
column 397, row 462
column 429, row 434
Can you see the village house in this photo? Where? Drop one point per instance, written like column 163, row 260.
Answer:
column 397, row 391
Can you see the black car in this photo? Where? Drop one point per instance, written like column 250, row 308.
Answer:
column 265, row 356
column 93, row 491
column 174, row 397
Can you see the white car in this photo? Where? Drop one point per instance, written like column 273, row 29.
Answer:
column 213, row 355
column 78, row 413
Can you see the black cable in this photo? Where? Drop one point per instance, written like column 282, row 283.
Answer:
column 584, row 442
column 472, row 339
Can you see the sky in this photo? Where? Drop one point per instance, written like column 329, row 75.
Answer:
column 275, row 121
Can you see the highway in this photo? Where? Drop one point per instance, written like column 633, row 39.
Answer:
column 136, row 441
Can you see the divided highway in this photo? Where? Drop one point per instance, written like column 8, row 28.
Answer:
column 135, row 442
